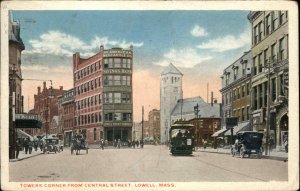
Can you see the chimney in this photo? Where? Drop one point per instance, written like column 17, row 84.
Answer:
column 101, row 48
column 44, row 85
column 39, row 90
column 61, row 88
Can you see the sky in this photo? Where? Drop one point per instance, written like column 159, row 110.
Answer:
column 199, row 43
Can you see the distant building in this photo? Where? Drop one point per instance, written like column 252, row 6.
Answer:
column 46, row 106
column 170, row 92
column 66, row 113
column 154, row 124
column 208, row 121
column 270, row 42
column 103, row 95
column 236, row 91
column 54, row 125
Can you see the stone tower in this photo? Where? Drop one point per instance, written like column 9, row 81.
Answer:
column 170, row 93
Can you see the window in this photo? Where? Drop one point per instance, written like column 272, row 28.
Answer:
column 227, row 78
column 238, row 93
column 267, row 24
column 248, row 113
column 265, row 57
column 105, row 63
column 108, row 80
column 273, row 18
column 273, row 53
column 108, row 98
column 126, row 80
column 235, row 70
column 254, row 66
column 117, row 62
column 243, row 114
column 244, row 68
column 248, row 89
column 110, row 63
column 255, row 34
column 265, row 94
column 117, row 80
column 94, row 134
column 260, row 63
column 281, row 49
column 126, row 63
column 243, row 91
column 259, row 31
column 126, row 98
column 126, row 117
column 281, row 17
column 260, row 96
column 117, row 97
column 107, row 117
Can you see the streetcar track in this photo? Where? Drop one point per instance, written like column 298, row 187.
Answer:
column 231, row 171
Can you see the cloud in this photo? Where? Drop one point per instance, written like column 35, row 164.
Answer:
column 185, row 58
column 46, row 69
column 228, row 42
column 198, row 31
column 61, row 44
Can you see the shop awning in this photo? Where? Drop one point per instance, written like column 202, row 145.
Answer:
column 244, row 126
column 219, row 133
column 22, row 134
column 27, row 121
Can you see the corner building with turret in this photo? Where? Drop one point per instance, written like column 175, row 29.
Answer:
column 103, row 95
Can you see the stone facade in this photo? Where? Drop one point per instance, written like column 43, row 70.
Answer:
column 270, row 50
column 170, row 92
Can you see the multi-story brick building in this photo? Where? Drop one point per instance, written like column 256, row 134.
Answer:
column 236, row 90
column 154, row 124
column 46, row 106
column 103, row 95
column 270, row 50
column 66, row 112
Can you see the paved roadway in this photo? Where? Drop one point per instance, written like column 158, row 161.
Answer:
column 153, row 164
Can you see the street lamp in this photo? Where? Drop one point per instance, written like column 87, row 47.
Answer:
column 196, row 111
column 12, row 112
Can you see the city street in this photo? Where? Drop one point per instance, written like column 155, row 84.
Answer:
column 153, row 163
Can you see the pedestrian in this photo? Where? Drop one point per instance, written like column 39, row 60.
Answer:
column 137, row 144
column 35, row 145
column 119, row 143
column 102, row 144
column 18, row 146
column 41, row 145
column 133, row 144
column 115, row 143
column 204, row 144
column 26, row 145
column 271, row 143
column 286, row 144
column 30, row 146
column 142, row 143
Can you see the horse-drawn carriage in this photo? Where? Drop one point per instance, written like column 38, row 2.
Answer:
column 79, row 143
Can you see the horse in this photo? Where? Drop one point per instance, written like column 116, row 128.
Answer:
column 78, row 145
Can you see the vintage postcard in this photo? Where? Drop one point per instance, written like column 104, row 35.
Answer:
column 149, row 95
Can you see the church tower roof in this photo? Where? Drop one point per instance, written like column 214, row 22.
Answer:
column 171, row 69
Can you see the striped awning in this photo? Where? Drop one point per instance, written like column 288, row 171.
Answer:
column 220, row 132
column 244, row 126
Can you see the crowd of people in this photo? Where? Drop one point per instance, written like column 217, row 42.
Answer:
column 28, row 145
column 118, row 144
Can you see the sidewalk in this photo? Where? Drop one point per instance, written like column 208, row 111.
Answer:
column 23, row 156
column 275, row 155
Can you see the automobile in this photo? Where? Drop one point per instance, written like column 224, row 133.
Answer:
column 51, row 145
column 181, row 136
column 247, row 143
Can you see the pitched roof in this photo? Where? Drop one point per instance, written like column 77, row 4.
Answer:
column 171, row 69
column 205, row 109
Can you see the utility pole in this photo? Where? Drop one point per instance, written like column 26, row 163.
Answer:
column 196, row 110
column 267, row 150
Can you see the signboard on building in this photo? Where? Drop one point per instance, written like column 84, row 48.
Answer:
column 27, row 121
column 231, row 122
column 114, row 71
column 117, row 53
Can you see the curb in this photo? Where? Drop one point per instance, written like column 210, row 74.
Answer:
column 263, row 156
column 19, row 159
